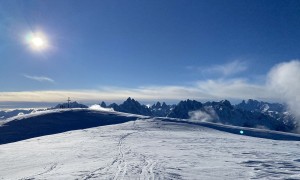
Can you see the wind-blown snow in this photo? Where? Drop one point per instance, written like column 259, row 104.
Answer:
column 8, row 113
column 149, row 149
column 99, row 108
column 206, row 116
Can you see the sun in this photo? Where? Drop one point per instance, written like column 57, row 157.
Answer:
column 37, row 41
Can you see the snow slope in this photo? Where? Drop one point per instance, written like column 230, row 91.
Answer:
column 56, row 121
column 149, row 149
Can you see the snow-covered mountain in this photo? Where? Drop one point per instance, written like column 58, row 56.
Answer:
column 132, row 106
column 275, row 110
column 129, row 106
column 225, row 113
column 142, row 148
column 252, row 113
column 182, row 109
column 161, row 109
column 260, row 106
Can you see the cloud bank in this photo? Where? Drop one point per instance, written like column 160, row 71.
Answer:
column 204, row 90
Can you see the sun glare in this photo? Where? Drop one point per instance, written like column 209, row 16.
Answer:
column 37, row 41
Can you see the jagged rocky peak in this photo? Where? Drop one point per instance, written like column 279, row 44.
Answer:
column 161, row 110
column 131, row 106
column 164, row 105
column 250, row 105
column 226, row 103
column 130, row 101
column 260, row 106
column 114, row 106
column 191, row 104
column 156, row 105
column 184, row 107
column 103, row 104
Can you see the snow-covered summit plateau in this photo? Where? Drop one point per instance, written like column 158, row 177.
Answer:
column 103, row 144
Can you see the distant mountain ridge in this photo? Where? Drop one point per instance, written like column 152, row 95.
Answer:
column 251, row 113
column 260, row 106
column 132, row 106
column 161, row 110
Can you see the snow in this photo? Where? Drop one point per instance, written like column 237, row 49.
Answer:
column 32, row 114
column 265, row 107
column 150, row 149
column 99, row 108
column 7, row 113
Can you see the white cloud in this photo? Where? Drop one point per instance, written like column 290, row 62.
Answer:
column 228, row 69
column 235, row 89
column 282, row 85
column 39, row 78
column 207, row 115
column 284, row 79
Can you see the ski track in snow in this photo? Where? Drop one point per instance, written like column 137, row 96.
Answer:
column 146, row 165
column 122, row 165
column 149, row 149
column 47, row 170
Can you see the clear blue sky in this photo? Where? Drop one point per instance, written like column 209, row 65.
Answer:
column 143, row 48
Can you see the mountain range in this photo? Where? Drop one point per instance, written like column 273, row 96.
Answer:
column 250, row 113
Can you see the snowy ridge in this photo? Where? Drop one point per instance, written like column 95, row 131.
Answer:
column 57, row 121
column 253, row 132
column 149, row 149
column 54, row 121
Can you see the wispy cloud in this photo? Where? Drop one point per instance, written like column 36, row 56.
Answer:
column 39, row 78
column 228, row 69
column 235, row 89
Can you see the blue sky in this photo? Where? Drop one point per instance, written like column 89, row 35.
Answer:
column 150, row 50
